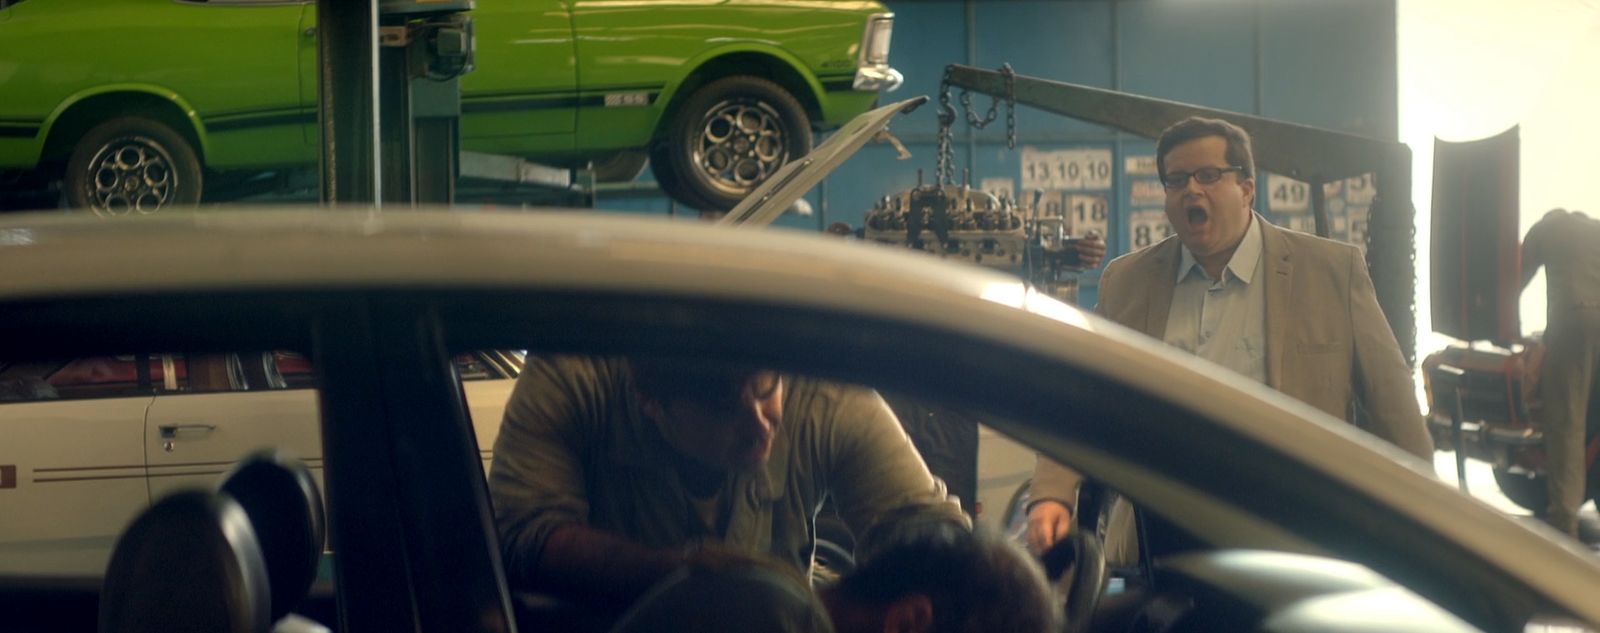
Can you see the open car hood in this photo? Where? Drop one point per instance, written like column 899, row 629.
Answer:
column 1475, row 257
column 794, row 179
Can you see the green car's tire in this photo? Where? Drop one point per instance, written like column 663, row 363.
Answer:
column 669, row 181
column 622, row 166
column 132, row 164
column 728, row 136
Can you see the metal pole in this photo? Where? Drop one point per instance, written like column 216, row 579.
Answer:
column 438, row 144
column 347, row 100
column 1448, row 379
column 1319, row 208
column 396, row 145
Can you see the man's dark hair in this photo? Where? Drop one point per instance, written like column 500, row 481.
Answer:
column 1239, row 152
column 976, row 581
column 670, row 379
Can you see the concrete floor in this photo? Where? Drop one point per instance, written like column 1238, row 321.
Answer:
column 1480, row 482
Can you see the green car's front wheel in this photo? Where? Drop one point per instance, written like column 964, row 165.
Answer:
column 728, row 137
column 132, row 164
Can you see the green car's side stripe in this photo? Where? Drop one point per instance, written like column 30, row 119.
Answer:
column 241, row 119
column 838, row 84
column 655, row 87
column 542, row 102
column 20, row 128
column 547, row 99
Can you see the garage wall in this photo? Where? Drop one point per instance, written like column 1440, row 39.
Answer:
column 1327, row 64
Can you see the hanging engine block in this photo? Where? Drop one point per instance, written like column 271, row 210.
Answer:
column 961, row 223
column 953, row 222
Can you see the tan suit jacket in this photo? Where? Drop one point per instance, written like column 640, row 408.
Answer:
column 1328, row 343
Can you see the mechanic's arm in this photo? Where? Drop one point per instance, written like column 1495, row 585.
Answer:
column 1091, row 250
column 540, row 498
column 1053, row 502
column 1381, row 378
column 873, row 469
column 1532, row 254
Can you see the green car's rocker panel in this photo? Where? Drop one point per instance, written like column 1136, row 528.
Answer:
column 557, row 81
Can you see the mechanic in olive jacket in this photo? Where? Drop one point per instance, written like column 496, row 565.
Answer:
column 1294, row 311
column 610, row 474
column 1567, row 245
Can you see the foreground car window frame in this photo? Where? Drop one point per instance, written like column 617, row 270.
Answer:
column 404, row 519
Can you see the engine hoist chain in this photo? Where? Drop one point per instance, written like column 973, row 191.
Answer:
column 947, row 119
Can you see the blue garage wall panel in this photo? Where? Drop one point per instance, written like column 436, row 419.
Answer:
column 1065, row 41
column 1195, row 52
column 1331, row 64
column 851, row 193
column 927, row 36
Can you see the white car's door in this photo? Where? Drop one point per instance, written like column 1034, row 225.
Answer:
column 206, row 419
column 214, row 412
column 487, row 378
column 72, row 469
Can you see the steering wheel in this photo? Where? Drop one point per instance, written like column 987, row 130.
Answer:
column 1083, row 549
column 1087, row 540
column 1088, row 579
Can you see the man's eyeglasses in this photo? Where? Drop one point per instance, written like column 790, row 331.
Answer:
column 1204, row 175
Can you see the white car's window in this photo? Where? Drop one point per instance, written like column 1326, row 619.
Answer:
column 74, row 379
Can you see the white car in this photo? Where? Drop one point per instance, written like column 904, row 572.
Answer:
column 89, row 442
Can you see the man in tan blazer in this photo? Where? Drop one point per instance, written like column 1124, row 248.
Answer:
column 1294, row 311
column 1567, row 245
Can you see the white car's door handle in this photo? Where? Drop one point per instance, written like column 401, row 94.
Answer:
column 175, row 431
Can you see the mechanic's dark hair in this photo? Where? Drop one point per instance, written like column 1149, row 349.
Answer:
column 669, row 379
column 976, row 580
column 1239, row 152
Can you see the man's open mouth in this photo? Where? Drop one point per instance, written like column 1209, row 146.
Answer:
column 1198, row 215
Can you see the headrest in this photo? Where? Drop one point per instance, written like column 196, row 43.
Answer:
column 188, row 563
column 281, row 498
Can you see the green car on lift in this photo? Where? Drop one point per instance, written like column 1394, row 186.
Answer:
column 135, row 104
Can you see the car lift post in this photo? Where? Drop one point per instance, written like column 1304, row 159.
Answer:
column 425, row 47
column 347, row 98
column 391, row 135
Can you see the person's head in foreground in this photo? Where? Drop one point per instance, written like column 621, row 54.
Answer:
column 928, row 574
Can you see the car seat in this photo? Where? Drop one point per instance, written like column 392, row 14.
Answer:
column 285, row 510
column 190, row 562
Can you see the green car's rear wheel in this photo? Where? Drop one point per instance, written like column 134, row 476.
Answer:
column 622, row 166
column 728, row 137
column 129, row 165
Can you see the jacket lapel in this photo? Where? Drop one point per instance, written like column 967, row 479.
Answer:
column 1279, row 290
column 1158, row 300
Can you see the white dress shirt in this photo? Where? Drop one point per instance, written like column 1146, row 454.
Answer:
column 1223, row 320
